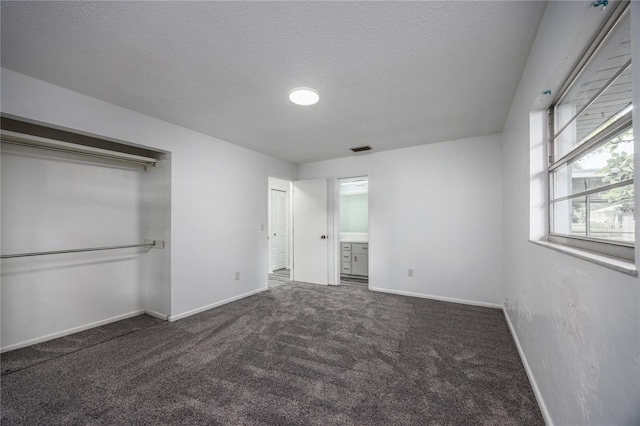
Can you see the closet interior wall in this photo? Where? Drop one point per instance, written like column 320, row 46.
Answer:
column 155, row 274
column 53, row 201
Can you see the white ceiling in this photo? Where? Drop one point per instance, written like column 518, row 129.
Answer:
column 389, row 74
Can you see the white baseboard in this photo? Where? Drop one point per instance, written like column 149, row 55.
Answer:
column 532, row 380
column 430, row 296
column 70, row 331
column 156, row 314
column 176, row 317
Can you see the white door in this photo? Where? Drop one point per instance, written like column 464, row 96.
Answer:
column 278, row 227
column 310, row 231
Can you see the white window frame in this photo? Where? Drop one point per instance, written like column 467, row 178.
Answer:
column 613, row 248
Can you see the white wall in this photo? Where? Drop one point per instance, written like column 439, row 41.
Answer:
column 577, row 322
column 215, row 227
column 434, row 208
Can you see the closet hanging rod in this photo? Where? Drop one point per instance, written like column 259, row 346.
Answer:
column 87, row 153
column 148, row 243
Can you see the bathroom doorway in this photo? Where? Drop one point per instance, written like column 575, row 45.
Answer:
column 354, row 231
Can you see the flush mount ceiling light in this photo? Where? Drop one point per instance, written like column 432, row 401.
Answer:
column 304, row 96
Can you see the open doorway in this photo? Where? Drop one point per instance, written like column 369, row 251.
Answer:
column 279, row 232
column 354, row 231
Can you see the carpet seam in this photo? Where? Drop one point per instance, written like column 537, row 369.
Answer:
column 77, row 350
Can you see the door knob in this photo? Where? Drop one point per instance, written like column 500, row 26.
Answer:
column 324, row 237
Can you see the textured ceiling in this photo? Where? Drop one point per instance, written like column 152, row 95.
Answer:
column 389, row 74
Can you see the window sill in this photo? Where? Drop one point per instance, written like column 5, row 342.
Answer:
column 619, row 265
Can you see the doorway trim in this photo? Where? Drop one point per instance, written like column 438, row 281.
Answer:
column 278, row 232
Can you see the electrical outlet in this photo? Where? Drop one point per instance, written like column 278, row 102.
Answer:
column 410, row 273
column 237, row 276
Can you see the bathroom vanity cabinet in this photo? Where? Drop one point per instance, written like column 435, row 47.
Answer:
column 355, row 259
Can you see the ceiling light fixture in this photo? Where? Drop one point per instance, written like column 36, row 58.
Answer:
column 304, row 96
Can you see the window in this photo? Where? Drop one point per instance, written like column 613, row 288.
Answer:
column 591, row 148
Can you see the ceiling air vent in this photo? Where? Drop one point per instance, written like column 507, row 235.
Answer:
column 361, row 148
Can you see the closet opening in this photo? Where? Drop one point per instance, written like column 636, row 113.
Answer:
column 86, row 232
column 354, row 231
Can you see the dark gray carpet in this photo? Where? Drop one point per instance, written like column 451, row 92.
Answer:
column 42, row 352
column 299, row 354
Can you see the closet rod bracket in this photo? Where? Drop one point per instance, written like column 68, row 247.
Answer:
column 159, row 164
column 159, row 244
